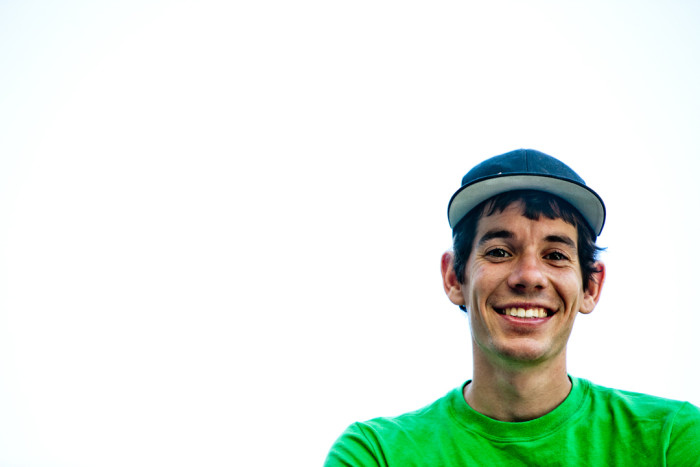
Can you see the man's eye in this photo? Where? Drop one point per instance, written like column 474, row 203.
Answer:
column 498, row 253
column 556, row 256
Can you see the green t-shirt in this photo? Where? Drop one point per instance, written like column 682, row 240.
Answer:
column 594, row 426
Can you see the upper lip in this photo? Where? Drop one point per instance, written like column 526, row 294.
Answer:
column 526, row 306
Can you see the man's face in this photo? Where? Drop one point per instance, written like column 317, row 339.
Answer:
column 519, row 266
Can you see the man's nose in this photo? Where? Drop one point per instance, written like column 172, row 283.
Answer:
column 527, row 273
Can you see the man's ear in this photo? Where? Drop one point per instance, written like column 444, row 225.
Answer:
column 591, row 293
column 453, row 288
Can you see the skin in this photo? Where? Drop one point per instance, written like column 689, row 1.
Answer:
column 520, row 363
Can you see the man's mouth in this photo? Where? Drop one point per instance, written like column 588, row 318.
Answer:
column 525, row 312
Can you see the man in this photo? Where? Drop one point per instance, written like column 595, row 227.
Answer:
column 524, row 264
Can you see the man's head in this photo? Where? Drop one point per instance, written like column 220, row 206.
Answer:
column 524, row 261
column 544, row 185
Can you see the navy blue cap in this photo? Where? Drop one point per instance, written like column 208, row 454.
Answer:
column 526, row 169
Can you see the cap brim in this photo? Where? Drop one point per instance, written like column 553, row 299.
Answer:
column 585, row 200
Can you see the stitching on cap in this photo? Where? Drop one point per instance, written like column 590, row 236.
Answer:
column 527, row 161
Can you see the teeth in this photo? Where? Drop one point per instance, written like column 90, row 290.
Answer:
column 523, row 313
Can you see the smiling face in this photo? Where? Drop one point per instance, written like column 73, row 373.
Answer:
column 522, row 287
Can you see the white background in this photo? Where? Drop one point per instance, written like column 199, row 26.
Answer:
column 221, row 222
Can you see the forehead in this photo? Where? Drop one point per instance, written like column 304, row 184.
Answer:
column 514, row 218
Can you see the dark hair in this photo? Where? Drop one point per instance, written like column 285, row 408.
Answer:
column 536, row 204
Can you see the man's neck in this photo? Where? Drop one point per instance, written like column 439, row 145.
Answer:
column 517, row 394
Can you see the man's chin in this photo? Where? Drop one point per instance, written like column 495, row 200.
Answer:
column 523, row 352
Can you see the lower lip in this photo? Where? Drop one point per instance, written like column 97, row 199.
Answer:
column 525, row 321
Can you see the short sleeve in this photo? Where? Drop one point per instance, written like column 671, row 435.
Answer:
column 356, row 447
column 684, row 445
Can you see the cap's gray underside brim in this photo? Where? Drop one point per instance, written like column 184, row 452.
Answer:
column 583, row 199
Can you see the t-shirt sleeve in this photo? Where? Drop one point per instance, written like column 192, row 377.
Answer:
column 355, row 447
column 684, row 445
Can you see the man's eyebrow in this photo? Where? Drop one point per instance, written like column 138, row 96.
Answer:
column 491, row 234
column 561, row 239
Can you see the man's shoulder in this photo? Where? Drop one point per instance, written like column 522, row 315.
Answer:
column 653, row 424
column 396, row 438
column 415, row 419
column 644, row 410
column 638, row 401
column 430, row 422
